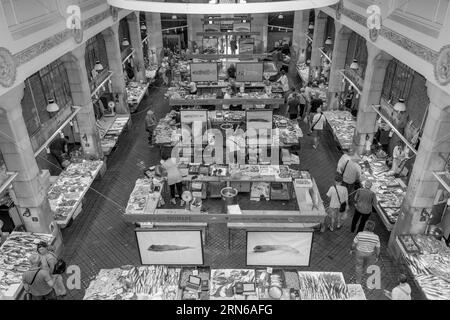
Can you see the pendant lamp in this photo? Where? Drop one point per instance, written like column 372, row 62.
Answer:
column 400, row 106
column 329, row 41
column 125, row 42
column 98, row 66
column 52, row 106
column 354, row 65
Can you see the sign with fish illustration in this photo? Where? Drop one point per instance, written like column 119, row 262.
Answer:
column 246, row 45
column 170, row 247
column 283, row 248
column 204, row 72
column 249, row 71
column 241, row 27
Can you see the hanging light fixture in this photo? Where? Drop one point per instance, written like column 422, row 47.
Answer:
column 125, row 42
column 311, row 26
column 280, row 16
column 329, row 41
column 174, row 17
column 98, row 66
column 143, row 27
column 52, row 106
column 400, row 106
column 354, row 65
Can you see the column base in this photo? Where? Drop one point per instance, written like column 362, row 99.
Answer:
column 410, row 221
column 333, row 100
column 37, row 219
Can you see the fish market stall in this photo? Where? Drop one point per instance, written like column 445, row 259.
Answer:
column 303, row 72
column 66, row 194
column 135, row 283
column 342, row 125
column 389, row 190
column 323, row 286
column 428, row 261
column 110, row 129
column 135, row 93
column 14, row 254
column 224, row 284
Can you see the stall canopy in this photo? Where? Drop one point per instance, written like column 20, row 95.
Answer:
column 220, row 8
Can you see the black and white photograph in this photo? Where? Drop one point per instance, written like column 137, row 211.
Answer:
column 265, row 149
column 279, row 248
column 171, row 247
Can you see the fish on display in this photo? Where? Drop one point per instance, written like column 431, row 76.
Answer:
column 267, row 248
column 167, row 247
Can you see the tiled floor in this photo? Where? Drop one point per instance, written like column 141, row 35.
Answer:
column 100, row 238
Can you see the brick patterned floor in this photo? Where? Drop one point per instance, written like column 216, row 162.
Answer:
column 100, row 238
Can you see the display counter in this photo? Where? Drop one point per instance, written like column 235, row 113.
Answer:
column 169, row 283
column 428, row 261
column 135, row 283
column 303, row 72
column 342, row 125
column 66, row 194
column 14, row 262
column 135, row 93
column 389, row 190
column 110, row 129
column 287, row 132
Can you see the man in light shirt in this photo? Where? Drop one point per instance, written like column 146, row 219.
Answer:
column 366, row 246
column 350, row 171
column 400, row 292
column 318, row 122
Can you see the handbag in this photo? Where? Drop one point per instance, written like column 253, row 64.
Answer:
column 29, row 296
column 312, row 127
column 343, row 205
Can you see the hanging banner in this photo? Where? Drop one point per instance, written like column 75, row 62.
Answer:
column 246, row 45
column 204, row 72
column 249, row 71
column 241, row 27
column 211, row 27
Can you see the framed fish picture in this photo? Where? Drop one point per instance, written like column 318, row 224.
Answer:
column 279, row 248
column 170, row 247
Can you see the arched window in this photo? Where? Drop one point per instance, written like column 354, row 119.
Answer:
column 357, row 49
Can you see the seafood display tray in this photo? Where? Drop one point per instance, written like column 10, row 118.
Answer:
column 168, row 283
column 70, row 187
column 14, row 262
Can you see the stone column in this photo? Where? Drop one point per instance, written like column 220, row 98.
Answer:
column 30, row 186
column 341, row 37
column 377, row 62
column 154, row 34
column 259, row 24
column 136, row 44
column 111, row 36
column 433, row 152
column 195, row 24
column 299, row 41
column 318, row 38
column 81, row 96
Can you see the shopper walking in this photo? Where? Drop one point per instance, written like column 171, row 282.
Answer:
column 233, row 45
column 365, row 199
column 350, row 172
column 318, row 122
column 338, row 203
column 285, row 86
column 293, row 102
column 150, row 124
column 402, row 291
column 366, row 247
column 303, row 103
column 316, row 103
column 37, row 281
column 174, row 178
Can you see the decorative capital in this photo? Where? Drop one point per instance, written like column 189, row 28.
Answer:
column 114, row 12
column 339, row 9
column 8, row 68
column 442, row 66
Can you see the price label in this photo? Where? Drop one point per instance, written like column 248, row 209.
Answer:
column 269, row 270
column 195, row 272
